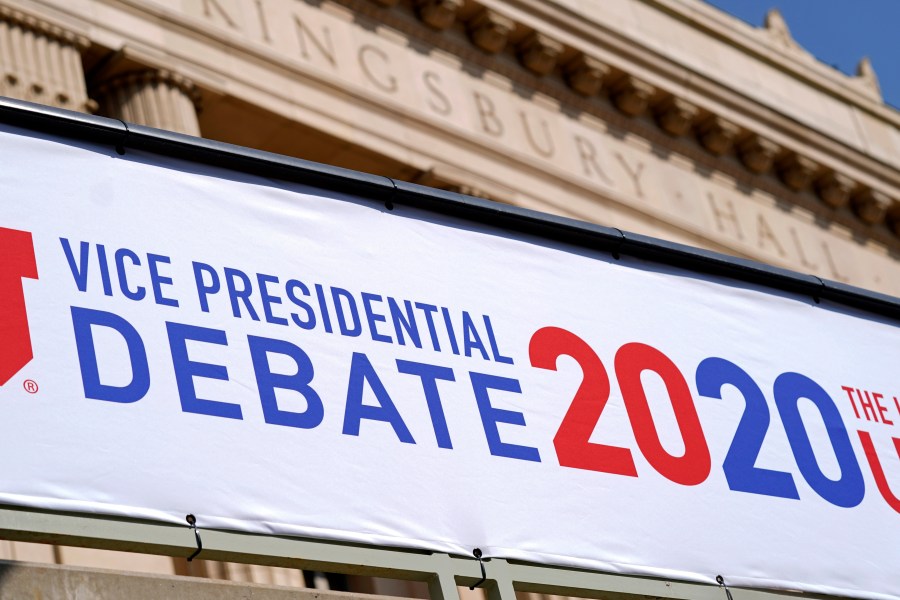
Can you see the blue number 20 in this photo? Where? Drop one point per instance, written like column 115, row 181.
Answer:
column 849, row 489
column 739, row 466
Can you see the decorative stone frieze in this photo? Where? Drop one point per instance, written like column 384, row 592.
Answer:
column 893, row 218
column 631, row 95
column 871, row 206
column 717, row 135
column 834, row 189
column 585, row 74
column 757, row 153
column 490, row 30
column 539, row 53
column 675, row 115
column 438, row 14
column 40, row 62
column 797, row 171
column 154, row 98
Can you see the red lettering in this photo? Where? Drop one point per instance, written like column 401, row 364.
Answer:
column 571, row 441
column 18, row 262
column 877, row 471
column 694, row 465
column 850, row 391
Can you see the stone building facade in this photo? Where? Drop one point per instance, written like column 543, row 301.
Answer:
column 662, row 117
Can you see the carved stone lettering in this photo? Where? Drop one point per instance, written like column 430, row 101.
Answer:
column 588, row 155
column 487, row 115
column 323, row 44
column 836, row 274
column 375, row 62
column 445, row 92
column 211, row 7
column 263, row 24
column 437, row 101
column 801, row 253
column 544, row 146
column 725, row 217
column 765, row 236
column 635, row 173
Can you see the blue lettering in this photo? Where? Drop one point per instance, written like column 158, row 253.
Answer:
column 79, row 272
column 429, row 374
column 361, row 371
column 493, row 341
column 82, row 321
column 310, row 321
column 186, row 370
column 429, row 310
column 337, row 294
column 373, row 319
column 157, row 280
column 267, row 382
column 490, row 416
column 235, row 294
column 104, row 270
column 404, row 322
column 205, row 289
column 121, row 254
column 326, row 320
column 454, row 347
column 268, row 299
column 471, row 339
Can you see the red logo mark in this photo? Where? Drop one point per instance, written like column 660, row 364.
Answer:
column 30, row 386
column 16, row 262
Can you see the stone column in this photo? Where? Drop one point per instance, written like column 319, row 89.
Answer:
column 40, row 62
column 160, row 99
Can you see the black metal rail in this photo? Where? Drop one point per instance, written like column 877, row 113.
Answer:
column 125, row 136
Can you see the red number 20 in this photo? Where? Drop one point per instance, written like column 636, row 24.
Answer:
column 573, row 447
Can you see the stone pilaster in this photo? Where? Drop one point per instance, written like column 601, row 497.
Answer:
column 41, row 63
column 159, row 99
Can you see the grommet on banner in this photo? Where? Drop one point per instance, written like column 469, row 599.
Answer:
column 192, row 521
column 721, row 581
column 477, row 554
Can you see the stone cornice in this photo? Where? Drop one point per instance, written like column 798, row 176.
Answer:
column 638, row 82
column 748, row 39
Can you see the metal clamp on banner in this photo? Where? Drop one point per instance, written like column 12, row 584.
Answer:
column 477, row 554
column 721, row 581
column 192, row 522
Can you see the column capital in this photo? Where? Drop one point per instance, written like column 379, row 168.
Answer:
column 153, row 97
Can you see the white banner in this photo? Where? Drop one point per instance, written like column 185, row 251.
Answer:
column 180, row 339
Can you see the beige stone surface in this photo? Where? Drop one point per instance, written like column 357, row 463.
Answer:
column 662, row 117
column 46, row 582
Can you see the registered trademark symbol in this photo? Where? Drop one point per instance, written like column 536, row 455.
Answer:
column 30, row 386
